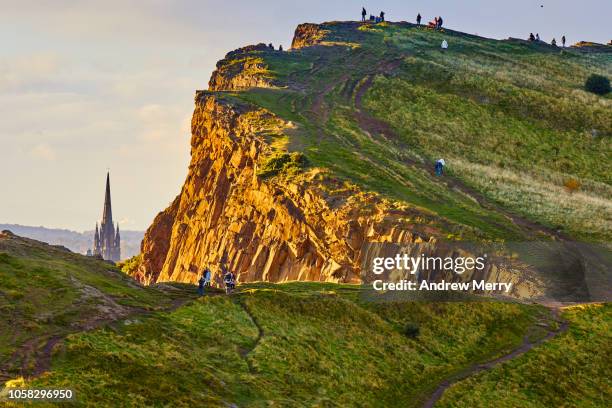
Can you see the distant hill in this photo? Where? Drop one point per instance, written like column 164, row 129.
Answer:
column 78, row 242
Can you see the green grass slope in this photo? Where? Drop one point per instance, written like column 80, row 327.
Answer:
column 573, row 370
column 376, row 105
column 48, row 292
column 296, row 344
column 74, row 322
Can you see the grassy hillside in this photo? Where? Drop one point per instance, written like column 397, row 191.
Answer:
column 376, row 105
column 47, row 292
column 290, row 345
column 73, row 322
column 575, row 369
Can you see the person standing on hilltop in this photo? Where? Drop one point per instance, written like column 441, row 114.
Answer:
column 563, row 41
column 419, row 19
column 440, row 21
column 537, row 36
column 382, row 16
column 363, row 14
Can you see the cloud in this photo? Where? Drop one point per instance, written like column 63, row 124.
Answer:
column 44, row 152
column 20, row 72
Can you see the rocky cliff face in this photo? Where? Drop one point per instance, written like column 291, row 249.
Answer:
column 271, row 230
column 306, row 226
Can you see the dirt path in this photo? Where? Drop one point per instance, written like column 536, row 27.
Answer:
column 245, row 352
column 477, row 368
column 33, row 357
column 374, row 125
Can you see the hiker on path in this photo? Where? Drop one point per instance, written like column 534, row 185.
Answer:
column 563, row 41
column 382, row 16
column 201, row 283
column 230, row 282
column 440, row 167
column 363, row 14
column 207, row 277
column 419, row 19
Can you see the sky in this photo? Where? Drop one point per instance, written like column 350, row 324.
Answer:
column 87, row 86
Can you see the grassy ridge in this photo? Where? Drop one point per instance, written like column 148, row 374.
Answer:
column 511, row 119
column 47, row 291
column 296, row 344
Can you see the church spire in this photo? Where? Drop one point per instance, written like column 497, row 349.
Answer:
column 107, row 215
column 107, row 240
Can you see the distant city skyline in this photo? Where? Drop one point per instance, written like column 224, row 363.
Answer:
column 86, row 86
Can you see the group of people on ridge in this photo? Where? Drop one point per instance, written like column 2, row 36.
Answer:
column 229, row 279
column 553, row 42
column 270, row 46
column 435, row 24
column 379, row 19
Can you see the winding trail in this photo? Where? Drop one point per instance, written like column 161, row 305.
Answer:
column 33, row 357
column 478, row 368
column 371, row 124
column 245, row 352
column 353, row 89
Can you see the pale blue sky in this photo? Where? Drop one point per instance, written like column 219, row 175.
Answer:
column 86, row 85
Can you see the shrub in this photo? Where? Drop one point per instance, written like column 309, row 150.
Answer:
column 597, row 84
column 282, row 162
column 571, row 185
column 130, row 266
column 411, row 330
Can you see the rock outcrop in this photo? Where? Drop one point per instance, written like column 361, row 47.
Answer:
column 294, row 228
column 240, row 70
column 307, row 34
column 264, row 230
column 304, row 226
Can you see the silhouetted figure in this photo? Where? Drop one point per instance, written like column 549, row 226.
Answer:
column 531, row 37
column 382, row 16
column 363, row 14
column 563, row 41
column 553, row 42
column 537, row 36
column 419, row 19
column 439, row 167
column 270, row 46
column 440, row 21
column 280, row 47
